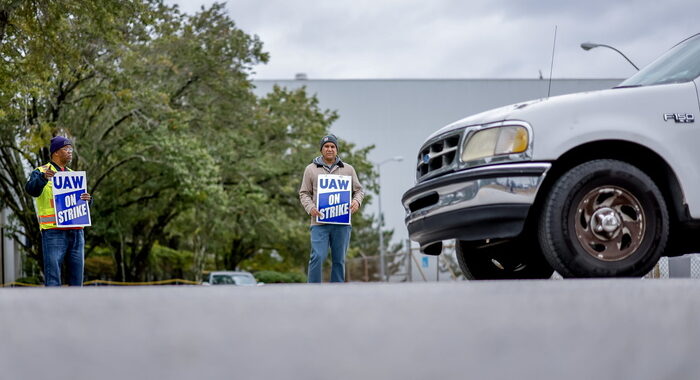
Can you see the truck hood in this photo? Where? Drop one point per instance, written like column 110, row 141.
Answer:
column 526, row 110
column 633, row 114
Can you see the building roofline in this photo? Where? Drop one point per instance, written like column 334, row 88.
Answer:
column 424, row 79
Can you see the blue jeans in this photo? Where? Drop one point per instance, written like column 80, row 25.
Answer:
column 335, row 236
column 62, row 245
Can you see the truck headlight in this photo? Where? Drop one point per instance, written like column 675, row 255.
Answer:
column 496, row 141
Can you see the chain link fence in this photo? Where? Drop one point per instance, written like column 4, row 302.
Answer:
column 686, row 266
column 406, row 266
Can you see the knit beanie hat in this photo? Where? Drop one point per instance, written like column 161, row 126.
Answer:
column 331, row 139
column 59, row 142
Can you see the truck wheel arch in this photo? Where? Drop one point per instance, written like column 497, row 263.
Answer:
column 635, row 154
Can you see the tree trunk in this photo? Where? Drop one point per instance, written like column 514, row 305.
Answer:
column 239, row 251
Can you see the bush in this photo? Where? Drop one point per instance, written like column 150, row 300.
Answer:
column 166, row 263
column 33, row 280
column 273, row 277
column 99, row 268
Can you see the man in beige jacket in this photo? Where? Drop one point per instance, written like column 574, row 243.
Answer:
column 323, row 236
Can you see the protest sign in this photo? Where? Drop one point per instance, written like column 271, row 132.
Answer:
column 71, row 211
column 333, row 199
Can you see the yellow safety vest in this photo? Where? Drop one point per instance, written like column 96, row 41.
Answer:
column 44, row 204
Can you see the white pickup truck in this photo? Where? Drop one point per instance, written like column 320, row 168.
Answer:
column 595, row 184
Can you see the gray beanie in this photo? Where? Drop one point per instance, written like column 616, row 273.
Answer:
column 329, row 138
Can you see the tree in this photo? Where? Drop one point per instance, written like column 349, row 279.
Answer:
column 125, row 79
column 180, row 153
column 186, row 98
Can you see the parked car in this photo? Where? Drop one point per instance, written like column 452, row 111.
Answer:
column 230, row 278
column 594, row 184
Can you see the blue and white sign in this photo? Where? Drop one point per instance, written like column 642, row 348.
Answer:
column 333, row 199
column 71, row 211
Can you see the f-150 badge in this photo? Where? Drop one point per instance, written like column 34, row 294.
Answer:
column 680, row 117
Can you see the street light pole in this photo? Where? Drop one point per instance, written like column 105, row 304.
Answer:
column 589, row 45
column 382, row 272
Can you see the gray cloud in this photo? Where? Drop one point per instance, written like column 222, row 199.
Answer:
column 458, row 39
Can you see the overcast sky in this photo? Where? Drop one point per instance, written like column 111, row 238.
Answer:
column 352, row 39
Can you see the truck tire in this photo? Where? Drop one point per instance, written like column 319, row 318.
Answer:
column 502, row 260
column 604, row 218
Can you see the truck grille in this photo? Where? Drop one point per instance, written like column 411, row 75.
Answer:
column 438, row 155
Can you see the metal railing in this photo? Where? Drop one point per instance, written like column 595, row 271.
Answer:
column 412, row 265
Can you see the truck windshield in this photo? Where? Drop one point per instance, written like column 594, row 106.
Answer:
column 244, row 280
column 680, row 64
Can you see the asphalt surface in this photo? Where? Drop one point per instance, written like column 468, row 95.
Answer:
column 573, row 329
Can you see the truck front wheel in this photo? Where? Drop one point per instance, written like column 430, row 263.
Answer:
column 604, row 218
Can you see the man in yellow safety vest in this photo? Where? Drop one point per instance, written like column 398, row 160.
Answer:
column 58, row 243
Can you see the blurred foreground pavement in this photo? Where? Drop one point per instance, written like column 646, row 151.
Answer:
column 574, row 329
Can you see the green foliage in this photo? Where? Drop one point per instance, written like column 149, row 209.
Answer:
column 166, row 263
column 32, row 280
column 99, row 268
column 273, row 277
column 188, row 168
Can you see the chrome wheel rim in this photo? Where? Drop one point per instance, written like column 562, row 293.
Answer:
column 609, row 223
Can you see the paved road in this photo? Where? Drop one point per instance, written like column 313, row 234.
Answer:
column 583, row 329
